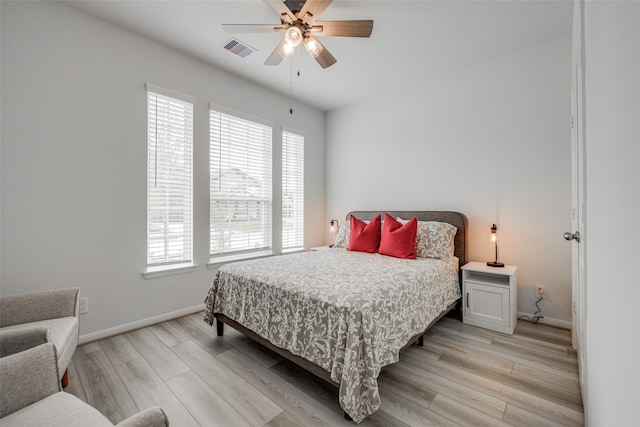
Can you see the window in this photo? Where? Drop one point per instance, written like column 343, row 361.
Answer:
column 292, row 190
column 240, row 184
column 169, row 179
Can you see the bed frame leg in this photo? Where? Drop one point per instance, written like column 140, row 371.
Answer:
column 220, row 327
column 347, row 417
column 421, row 341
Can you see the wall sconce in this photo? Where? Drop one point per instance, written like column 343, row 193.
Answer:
column 494, row 239
column 334, row 225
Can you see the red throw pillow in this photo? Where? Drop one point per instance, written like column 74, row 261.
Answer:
column 364, row 237
column 399, row 240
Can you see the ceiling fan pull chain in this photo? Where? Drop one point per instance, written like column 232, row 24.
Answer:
column 291, row 88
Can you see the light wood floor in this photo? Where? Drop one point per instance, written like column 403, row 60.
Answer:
column 462, row 376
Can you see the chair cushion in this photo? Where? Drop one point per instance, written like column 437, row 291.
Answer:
column 27, row 377
column 64, row 336
column 59, row 409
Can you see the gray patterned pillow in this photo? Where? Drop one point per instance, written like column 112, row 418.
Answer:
column 434, row 239
column 343, row 235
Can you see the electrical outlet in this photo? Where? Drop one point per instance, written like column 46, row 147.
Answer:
column 541, row 291
column 84, row 305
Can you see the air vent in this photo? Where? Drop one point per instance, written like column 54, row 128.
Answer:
column 237, row 47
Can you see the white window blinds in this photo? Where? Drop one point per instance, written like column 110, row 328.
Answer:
column 169, row 180
column 292, row 190
column 240, row 185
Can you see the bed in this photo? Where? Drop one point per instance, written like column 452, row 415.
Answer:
column 341, row 315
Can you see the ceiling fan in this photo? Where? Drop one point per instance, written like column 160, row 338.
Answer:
column 298, row 22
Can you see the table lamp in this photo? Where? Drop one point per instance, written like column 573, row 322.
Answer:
column 494, row 239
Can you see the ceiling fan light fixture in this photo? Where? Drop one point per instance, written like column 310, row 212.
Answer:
column 293, row 36
column 298, row 19
column 313, row 47
column 287, row 50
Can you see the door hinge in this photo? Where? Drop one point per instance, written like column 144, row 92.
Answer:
column 572, row 125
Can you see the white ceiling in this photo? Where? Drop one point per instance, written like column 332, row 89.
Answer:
column 411, row 40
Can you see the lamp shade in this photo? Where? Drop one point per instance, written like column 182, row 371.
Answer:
column 293, row 36
column 313, row 47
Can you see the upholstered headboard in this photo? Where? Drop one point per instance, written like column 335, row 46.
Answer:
column 456, row 219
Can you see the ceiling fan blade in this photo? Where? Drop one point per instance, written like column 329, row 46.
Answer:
column 281, row 10
column 324, row 58
column 314, row 8
column 356, row 28
column 252, row 28
column 277, row 55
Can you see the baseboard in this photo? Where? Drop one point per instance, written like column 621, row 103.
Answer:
column 564, row 324
column 128, row 327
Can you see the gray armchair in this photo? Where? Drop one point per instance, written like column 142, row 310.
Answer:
column 23, row 317
column 30, row 395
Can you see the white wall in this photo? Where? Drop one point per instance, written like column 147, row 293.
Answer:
column 74, row 151
column 612, row 95
column 491, row 141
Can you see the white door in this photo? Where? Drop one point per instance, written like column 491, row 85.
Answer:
column 577, row 235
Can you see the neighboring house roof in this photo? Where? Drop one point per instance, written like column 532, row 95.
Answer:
column 237, row 182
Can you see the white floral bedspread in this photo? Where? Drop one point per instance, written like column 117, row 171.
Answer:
column 348, row 312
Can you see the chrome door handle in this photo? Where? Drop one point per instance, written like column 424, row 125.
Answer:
column 572, row 236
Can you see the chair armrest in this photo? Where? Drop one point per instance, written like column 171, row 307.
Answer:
column 36, row 306
column 28, row 377
column 150, row 417
column 17, row 340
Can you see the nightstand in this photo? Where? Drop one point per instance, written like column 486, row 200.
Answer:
column 489, row 296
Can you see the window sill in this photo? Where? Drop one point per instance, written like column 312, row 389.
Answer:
column 292, row 251
column 167, row 271
column 215, row 263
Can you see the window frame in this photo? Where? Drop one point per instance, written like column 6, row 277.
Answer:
column 186, row 261
column 298, row 198
column 268, row 249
